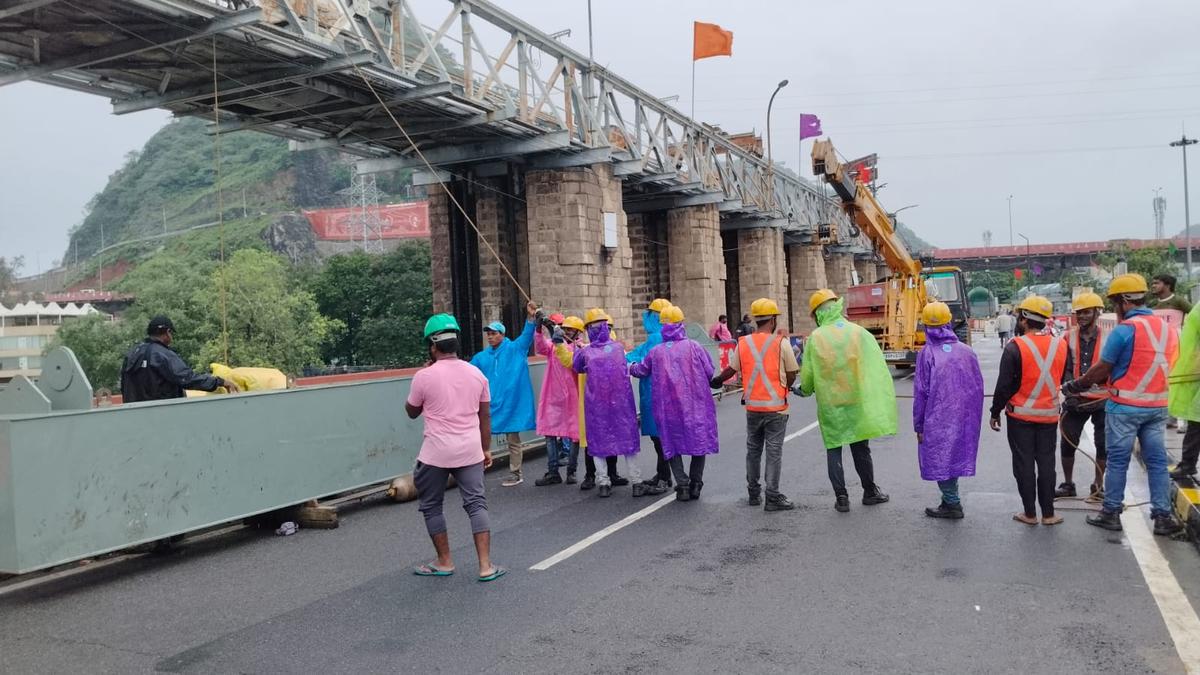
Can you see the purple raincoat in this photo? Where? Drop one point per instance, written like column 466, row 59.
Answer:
column 612, row 423
column 679, row 370
column 947, row 406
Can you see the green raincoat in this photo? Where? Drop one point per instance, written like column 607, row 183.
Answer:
column 1183, row 393
column 844, row 366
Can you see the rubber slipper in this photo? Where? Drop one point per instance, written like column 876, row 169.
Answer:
column 430, row 571
column 1052, row 520
column 497, row 572
column 1017, row 517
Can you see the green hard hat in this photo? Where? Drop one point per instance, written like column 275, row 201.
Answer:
column 440, row 323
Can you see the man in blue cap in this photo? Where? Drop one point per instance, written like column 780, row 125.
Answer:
column 505, row 363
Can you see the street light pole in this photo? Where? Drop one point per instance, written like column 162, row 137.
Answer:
column 770, row 163
column 1010, row 239
column 1028, row 257
column 1182, row 143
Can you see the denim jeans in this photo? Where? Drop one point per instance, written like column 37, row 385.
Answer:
column 1147, row 427
column 559, row 451
column 949, row 488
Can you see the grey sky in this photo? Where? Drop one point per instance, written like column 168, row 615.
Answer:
column 1067, row 105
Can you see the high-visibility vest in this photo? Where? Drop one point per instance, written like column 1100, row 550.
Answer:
column 1096, row 392
column 1155, row 348
column 1043, row 358
column 758, row 354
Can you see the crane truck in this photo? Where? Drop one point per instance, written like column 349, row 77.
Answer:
column 891, row 308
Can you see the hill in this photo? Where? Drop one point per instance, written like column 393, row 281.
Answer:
column 915, row 244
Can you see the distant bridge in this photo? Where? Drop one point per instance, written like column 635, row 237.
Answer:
column 1050, row 256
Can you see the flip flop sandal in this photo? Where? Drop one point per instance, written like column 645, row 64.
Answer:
column 430, row 571
column 1017, row 517
column 497, row 572
column 1053, row 520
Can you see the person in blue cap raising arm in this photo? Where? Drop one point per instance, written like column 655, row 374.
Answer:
column 505, row 363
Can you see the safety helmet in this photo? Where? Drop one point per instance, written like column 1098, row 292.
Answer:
column 595, row 314
column 1037, row 305
column 936, row 314
column 1128, row 284
column 573, row 322
column 671, row 314
column 556, row 319
column 440, row 323
column 659, row 305
column 1086, row 301
column 819, row 298
column 763, row 307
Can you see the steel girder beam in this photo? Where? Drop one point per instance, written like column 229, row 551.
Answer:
column 585, row 158
column 134, row 46
column 471, row 152
column 390, row 132
column 418, row 93
column 20, row 7
column 666, row 203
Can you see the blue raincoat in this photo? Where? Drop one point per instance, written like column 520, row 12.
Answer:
column 506, row 367
column 947, row 406
column 683, row 404
column 612, row 427
column 645, row 386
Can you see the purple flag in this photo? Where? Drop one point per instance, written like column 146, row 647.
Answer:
column 810, row 126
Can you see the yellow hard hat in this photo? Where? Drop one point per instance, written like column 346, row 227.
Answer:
column 1127, row 284
column 659, row 305
column 763, row 307
column 936, row 314
column 819, row 298
column 596, row 314
column 671, row 314
column 1036, row 304
column 1086, row 301
column 573, row 322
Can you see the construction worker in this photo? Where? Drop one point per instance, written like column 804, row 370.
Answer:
column 152, row 371
column 1184, row 393
column 1030, row 366
column 1084, row 344
column 684, row 410
column 1135, row 362
column 568, row 338
column 768, row 368
column 660, row 482
column 454, row 399
column 612, row 429
column 856, row 400
column 505, row 363
column 558, row 407
column 947, row 409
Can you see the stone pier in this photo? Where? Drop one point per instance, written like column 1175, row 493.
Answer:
column 808, row 276
column 762, row 269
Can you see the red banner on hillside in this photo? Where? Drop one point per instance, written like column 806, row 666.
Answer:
column 397, row 221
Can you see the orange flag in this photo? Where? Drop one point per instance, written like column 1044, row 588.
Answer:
column 711, row 40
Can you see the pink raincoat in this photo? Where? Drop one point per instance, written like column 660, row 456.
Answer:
column 558, row 406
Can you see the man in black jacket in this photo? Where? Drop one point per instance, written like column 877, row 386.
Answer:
column 153, row 371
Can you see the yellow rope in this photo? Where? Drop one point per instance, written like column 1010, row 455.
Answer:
column 220, row 202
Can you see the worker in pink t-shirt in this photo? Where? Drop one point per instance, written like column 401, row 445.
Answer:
column 453, row 397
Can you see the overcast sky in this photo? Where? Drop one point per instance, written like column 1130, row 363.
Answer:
column 1066, row 105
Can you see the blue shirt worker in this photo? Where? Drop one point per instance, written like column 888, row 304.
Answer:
column 505, row 363
column 660, row 482
column 1134, row 362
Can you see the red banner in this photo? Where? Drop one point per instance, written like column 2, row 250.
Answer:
column 396, row 221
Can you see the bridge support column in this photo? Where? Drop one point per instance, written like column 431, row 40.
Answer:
column 882, row 271
column 807, row 277
column 866, row 270
column 837, row 272
column 570, row 270
column 440, row 250
column 697, row 263
column 762, row 269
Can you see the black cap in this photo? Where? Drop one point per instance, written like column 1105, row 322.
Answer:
column 159, row 324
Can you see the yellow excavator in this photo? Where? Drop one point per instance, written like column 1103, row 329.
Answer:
column 891, row 308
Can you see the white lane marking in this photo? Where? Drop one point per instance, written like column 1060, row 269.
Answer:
column 625, row 522
column 1177, row 612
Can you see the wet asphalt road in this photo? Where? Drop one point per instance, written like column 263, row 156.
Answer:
column 708, row 586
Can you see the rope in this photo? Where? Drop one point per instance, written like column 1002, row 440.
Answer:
column 220, row 203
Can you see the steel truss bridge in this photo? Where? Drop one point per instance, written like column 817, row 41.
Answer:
column 471, row 86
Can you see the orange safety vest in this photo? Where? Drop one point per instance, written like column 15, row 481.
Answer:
column 758, row 355
column 1096, row 392
column 1155, row 348
column 1042, row 362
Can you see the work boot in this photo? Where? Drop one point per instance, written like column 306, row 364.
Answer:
column 605, row 490
column 551, row 478
column 944, row 510
column 874, row 497
column 694, row 488
column 619, row 481
column 1109, row 521
column 1165, row 525
column 842, row 504
column 682, row 493
column 639, row 490
column 1065, row 490
column 571, row 478
column 754, row 498
column 658, row 487
column 1182, row 470
column 589, row 482
column 778, row 503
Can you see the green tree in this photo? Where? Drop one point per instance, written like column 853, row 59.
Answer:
column 346, row 290
column 9, row 268
column 1147, row 262
column 269, row 322
column 168, row 284
column 100, row 345
column 1001, row 283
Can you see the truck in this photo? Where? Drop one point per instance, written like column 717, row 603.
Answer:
column 891, row 308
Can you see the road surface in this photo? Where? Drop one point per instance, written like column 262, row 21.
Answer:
column 699, row 587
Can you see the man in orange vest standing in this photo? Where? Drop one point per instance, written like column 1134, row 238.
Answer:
column 1135, row 362
column 1084, row 344
column 1031, row 369
column 768, row 368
